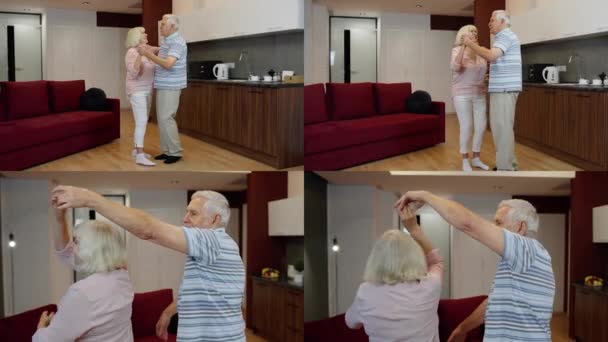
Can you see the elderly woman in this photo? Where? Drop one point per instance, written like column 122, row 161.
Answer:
column 398, row 300
column 469, row 95
column 97, row 308
column 140, row 81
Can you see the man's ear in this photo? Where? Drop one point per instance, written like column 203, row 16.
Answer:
column 217, row 219
column 523, row 228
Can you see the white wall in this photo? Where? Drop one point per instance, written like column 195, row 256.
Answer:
column 152, row 267
column 295, row 184
column 316, row 43
column 75, row 48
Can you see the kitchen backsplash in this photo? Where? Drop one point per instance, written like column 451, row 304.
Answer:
column 591, row 61
column 283, row 51
column 294, row 250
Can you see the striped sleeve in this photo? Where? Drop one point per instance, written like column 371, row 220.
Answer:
column 176, row 49
column 503, row 42
column 519, row 251
column 203, row 245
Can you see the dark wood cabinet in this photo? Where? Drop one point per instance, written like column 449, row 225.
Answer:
column 261, row 123
column 277, row 311
column 590, row 314
column 571, row 125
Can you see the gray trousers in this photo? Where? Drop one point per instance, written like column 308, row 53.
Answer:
column 502, row 120
column 167, row 103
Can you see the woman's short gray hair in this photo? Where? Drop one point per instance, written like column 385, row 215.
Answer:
column 503, row 15
column 395, row 258
column 172, row 20
column 521, row 211
column 101, row 247
column 216, row 204
column 134, row 37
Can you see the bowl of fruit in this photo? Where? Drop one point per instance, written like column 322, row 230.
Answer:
column 271, row 273
column 594, row 281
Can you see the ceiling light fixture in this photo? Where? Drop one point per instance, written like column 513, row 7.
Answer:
column 86, row 3
column 418, row 6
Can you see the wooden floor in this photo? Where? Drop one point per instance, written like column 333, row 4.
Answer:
column 559, row 328
column 251, row 337
column 446, row 157
column 116, row 156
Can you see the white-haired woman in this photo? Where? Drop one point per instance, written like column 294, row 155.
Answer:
column 97, row 308
column 469, row 91
column 398, row 300
column 140, row 81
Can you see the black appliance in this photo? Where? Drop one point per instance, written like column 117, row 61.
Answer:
column 202, row 70
column 533, row 73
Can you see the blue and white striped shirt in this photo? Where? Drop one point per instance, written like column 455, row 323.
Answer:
column 175, row 78
column 211, row 293
column 506, row 71
column 520, row 305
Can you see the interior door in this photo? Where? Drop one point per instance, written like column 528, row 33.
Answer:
column 363, row 55
column 28, row 53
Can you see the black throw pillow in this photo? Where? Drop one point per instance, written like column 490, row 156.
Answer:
column 94, row 100
column 419, row 102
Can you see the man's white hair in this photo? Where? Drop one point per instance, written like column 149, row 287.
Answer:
column 521, row 211
column 101, row 247
column 216, row 204
column 134, row 37
column 502, row 14
column 172, row 20
column 395, row 258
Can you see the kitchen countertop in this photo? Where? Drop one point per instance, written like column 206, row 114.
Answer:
column 280, row 282
column 568, row 86
column 599, row 290
column 247, row 83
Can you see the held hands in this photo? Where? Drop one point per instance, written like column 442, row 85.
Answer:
column 162, row 325
column 143, row 50
column 408, row 217
column 458, row 335
column 467, row 41
column 45, row 319
column 64, row 197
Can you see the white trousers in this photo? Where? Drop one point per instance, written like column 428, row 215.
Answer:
column 471, row 112
column 140, row 105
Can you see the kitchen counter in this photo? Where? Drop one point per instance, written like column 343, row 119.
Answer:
column 593, row 289
column 247, row 83
column 568, row 86
column 280, row 282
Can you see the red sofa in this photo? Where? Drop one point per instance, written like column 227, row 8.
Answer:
column 451, row 312
column 147, row 308
column 356, row 123
column 41, row 121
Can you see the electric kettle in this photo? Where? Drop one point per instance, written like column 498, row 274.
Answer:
column 220, row 71
column 551, row 75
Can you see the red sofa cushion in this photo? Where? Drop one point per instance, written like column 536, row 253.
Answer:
column 23, row 326
column 351, row 100
column 147, row 308
column 65, row 95
column 27, row 99
column 453, row 311
column 40, row 130
column 3, row 102
column 333, row 329
column 315, row 107
column 339, row 134
column 390, row 97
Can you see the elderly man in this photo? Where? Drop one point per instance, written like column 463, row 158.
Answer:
column 504, row 87
column 211, row 293
column 169, row 80
column 520, row 304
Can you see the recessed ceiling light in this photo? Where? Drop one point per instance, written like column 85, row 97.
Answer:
column 418, row 6
column 498, row 187
column 86, row 3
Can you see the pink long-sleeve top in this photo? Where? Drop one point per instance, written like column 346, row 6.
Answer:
column 95, row 309
column 468, row 77
column 138, row 81
column 401, row 312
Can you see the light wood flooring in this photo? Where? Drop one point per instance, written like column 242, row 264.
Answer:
column 559, row 328
column 446, row 157
column 251, row 337
column 116, row 156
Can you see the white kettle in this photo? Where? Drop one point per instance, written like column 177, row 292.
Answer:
column 220, row 71
column 551, row 75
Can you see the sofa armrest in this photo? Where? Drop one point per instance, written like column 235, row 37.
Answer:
column 114, row 106
column 147, row 308
column 439, row 109
column 23, row 326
